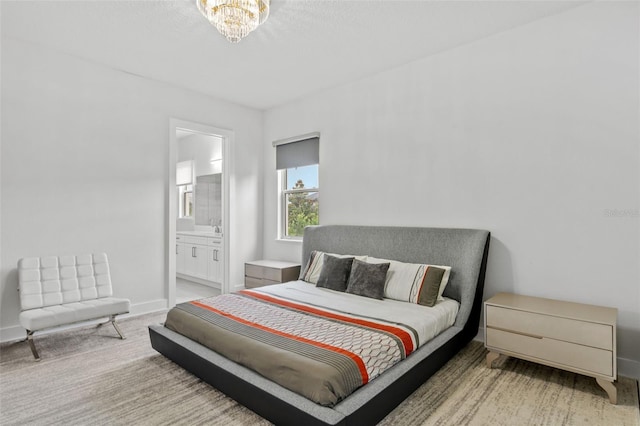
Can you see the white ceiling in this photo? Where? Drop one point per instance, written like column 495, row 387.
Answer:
column 305, row 45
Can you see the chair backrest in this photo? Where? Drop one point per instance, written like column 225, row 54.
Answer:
column 54, row 280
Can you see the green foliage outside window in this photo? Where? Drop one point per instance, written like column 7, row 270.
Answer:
column 302, row 210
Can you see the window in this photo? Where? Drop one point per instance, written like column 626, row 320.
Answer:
column 184, row 181
column 185, row 203
column 300, row 199
column 297, row 162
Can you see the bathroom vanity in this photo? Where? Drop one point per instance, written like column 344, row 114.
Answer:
column 199, row 257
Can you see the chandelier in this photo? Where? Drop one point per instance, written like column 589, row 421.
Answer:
column 235, row 19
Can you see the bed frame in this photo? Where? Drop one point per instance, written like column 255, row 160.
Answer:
column 465, row 250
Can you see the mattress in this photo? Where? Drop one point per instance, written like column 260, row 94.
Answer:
column 316, row 342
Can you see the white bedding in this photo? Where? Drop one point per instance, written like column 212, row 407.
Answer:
column 427, row 322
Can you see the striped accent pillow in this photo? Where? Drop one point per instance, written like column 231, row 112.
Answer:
column 312, row 270
column 405, row 280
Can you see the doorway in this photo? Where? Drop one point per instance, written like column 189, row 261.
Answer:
column 204, row 158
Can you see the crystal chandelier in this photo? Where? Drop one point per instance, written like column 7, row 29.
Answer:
column 235, row 19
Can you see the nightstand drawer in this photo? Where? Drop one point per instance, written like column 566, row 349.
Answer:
column 272, row 274
column 553, row 351
column 253, row 271
column 250, row 282
column 580, row 332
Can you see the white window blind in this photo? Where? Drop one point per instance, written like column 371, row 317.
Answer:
column 184, row 172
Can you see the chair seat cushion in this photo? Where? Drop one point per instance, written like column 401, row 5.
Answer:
column 52, row 316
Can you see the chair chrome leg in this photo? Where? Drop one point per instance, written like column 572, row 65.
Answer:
column 115, row 325
column 32, row 345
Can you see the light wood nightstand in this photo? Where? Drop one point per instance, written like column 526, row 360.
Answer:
column 266, row 272
column 571, row 336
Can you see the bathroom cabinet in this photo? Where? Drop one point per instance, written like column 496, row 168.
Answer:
column 199, row 257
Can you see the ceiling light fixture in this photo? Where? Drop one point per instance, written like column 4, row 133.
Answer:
column 235, row 19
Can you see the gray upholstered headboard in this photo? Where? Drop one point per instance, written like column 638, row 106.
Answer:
column 465, row 250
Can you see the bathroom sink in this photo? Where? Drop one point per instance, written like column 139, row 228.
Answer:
column 201, row 233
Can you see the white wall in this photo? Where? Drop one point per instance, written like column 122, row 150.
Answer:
column 531, row 134
column 201, row 149
column 85, row 169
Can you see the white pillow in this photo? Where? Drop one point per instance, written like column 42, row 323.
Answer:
column 445, row 280
column 405, row 279
column 315, row 263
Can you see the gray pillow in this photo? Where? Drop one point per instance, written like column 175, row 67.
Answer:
column 335, row 272
column 367, row 279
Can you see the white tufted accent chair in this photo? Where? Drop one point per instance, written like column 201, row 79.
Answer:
column 63, row 290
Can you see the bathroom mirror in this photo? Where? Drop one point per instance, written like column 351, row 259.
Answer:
column 208, row 200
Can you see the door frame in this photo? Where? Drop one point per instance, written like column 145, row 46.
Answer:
column 171, row 208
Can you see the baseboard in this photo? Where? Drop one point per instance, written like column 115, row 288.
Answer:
column 480, row 336
column 237, row 288
column 8, row 334
column 16, row 332
column 211, row 284
column 629, row 368
column 626, row 367
column 147, row 308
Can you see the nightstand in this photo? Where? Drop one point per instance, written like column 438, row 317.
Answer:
column 571, row 336
column 267, row 272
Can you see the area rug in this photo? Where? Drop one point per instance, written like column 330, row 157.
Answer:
column 89, row 376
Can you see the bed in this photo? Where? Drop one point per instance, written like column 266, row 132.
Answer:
column 465, row 250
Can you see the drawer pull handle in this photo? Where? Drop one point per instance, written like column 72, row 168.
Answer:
column 517, row 332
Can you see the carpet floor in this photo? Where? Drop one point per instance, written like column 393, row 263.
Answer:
column 88, row 376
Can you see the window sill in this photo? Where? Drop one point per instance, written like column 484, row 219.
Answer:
column 289, row 240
